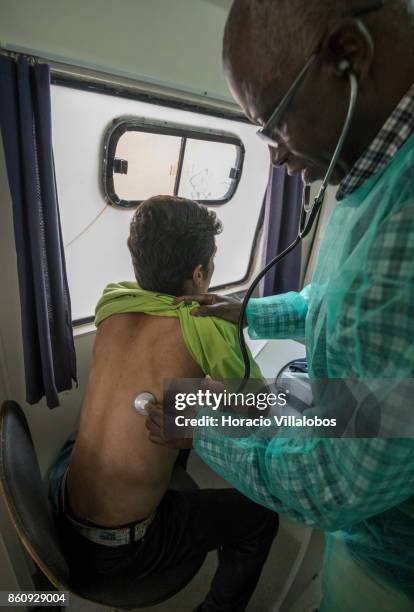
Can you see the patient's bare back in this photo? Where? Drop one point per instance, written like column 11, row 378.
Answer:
column 116, row 474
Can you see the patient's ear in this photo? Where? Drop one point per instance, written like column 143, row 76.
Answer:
column 198, row 276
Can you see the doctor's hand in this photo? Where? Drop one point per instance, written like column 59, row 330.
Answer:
column 154, row 423
column 213, row 305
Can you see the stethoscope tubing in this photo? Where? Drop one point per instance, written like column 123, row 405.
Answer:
column 306, row 223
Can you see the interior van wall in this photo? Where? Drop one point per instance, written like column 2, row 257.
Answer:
column 173, row 42
column 14, row 564
column 48, row 433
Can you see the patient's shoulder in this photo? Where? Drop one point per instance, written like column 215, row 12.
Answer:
column 147, row 342
column 131, row 327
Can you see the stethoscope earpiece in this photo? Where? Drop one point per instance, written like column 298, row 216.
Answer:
column 344, row 66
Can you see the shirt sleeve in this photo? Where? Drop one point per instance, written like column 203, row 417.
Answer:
column 329, row 484
column 333, row 483
column 278, row 316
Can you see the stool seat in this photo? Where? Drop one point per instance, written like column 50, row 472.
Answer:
column 23, row 490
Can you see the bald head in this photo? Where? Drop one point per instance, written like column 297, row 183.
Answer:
column 266, row 45
column 266, row 38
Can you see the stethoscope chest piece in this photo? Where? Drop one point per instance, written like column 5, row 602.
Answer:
column 142, row 400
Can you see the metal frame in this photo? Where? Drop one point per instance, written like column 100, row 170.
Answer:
column 128, row 123
column 126, row 88
column 94, row 77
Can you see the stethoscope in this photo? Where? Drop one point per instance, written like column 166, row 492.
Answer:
column 307, row 217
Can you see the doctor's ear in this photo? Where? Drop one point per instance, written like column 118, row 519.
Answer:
column 348, row 46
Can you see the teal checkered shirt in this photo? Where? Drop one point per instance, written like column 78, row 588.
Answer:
column 336, row 479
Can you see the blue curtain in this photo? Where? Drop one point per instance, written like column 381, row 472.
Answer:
column 25, row 121
column 283, row 203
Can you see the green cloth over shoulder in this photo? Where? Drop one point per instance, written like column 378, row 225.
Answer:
column 212, row 342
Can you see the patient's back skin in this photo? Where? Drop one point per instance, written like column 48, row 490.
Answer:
column 116, row 474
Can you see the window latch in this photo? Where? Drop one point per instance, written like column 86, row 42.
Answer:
column 120, row 166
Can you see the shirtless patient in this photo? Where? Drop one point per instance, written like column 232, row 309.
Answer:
column 116, row 476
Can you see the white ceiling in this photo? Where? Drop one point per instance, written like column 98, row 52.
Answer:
column 172, row 43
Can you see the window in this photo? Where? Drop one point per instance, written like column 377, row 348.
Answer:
column 142, row 158
column 95, row 232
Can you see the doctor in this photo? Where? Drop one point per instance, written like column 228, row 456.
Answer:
column 357, row 314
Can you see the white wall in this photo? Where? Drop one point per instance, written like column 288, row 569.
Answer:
column 95, row 236
column 175, row 42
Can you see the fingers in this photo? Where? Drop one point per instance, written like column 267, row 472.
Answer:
column 201, row 298
column 210, row 310
column 156, row 440
column 154, row 424
column 202, row 311
column 184, row 298
column 154, row 420
column 212, row 385
column 228, row 312
column 155, row 409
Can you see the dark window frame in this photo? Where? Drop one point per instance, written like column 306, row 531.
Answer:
column 121, row 125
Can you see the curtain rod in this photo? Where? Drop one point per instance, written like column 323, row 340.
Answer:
column 76, row 73
column 15, row 55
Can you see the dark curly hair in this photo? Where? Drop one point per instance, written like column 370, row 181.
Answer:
column 169, row 237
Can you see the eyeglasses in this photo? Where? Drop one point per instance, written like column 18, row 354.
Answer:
column 265, row 133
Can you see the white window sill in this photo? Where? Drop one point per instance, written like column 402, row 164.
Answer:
column 84, row 330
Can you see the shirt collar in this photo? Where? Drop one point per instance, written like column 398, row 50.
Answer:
column 393, row 134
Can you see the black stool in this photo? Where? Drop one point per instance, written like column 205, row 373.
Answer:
column 23, row 490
